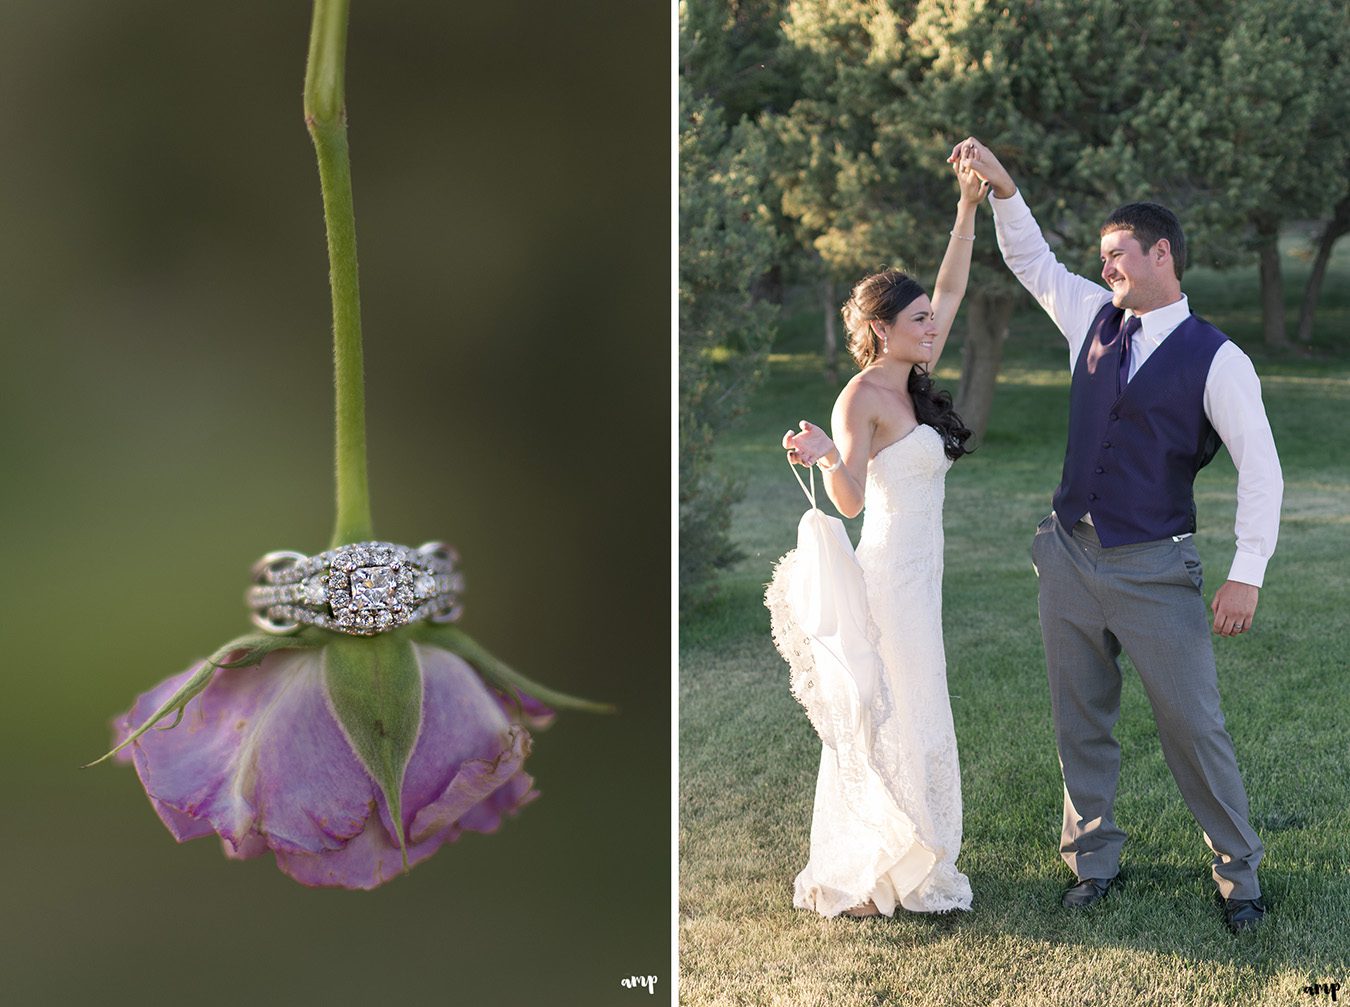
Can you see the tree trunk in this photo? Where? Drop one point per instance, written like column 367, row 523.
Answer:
column 769, row 286
column 831, row 332
column 1272, row 285
column 1337, row 226
column 986, row 329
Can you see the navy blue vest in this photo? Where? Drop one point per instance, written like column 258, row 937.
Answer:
column 1132, row 457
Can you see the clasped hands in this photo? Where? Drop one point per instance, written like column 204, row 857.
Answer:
column 971, row 155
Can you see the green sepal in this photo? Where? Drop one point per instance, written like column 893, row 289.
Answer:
column 251, row 647
column 375, row 687
column 256, row 646
column 455, row 640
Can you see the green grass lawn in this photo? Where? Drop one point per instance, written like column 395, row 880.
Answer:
column 748, row 757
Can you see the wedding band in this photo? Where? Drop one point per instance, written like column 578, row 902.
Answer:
column 361, row 589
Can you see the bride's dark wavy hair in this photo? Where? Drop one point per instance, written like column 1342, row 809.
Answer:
column 879, row 298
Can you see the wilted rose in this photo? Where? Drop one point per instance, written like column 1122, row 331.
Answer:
column 300, row 753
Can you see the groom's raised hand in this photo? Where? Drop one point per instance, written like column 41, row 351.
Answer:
column 1234, row 606
column 971, row 153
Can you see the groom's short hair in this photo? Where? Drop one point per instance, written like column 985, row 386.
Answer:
column 1150, row 222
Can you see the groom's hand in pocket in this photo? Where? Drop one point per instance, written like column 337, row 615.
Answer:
column 1234, row 605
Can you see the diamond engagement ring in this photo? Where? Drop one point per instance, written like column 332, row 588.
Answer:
column 361, row 589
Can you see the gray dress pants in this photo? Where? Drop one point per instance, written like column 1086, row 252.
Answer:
column 1146, row 599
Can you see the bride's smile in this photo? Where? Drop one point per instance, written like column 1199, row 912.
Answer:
column 910, row 336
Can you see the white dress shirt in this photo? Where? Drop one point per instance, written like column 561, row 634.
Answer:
column 1232, row 389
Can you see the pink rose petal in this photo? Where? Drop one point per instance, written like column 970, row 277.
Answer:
column 260, row 759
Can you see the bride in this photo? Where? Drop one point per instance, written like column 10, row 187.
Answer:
column 886, row 827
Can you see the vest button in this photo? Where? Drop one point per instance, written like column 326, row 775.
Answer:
column 1092, row 496
column 1106, row 444
column 1100, row 470
column 1115, row 416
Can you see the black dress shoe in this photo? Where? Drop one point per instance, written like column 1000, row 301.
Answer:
column 1087, row 892
column 1242, row 914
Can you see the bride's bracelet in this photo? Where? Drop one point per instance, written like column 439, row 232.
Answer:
column 963, row 237
column 820, row 463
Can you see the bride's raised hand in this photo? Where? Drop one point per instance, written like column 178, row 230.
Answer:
column 809, row 446
column 971, row 153
column 973, row 188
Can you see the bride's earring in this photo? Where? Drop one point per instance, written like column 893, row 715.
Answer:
column 882, row 337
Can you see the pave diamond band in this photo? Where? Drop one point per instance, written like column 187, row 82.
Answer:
column 361, row 589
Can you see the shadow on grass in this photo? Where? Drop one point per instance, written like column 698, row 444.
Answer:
column 1163, row 911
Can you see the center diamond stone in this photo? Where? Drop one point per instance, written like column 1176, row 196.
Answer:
column 374, row 587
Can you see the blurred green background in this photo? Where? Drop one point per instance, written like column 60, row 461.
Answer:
column 165, row 418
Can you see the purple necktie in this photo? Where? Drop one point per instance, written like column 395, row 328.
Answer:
column 1126, row 336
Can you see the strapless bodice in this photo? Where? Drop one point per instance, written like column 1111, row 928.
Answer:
column 908, row 476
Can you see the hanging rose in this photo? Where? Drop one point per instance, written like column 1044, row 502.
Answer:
column 349, row 759
column 360, row 731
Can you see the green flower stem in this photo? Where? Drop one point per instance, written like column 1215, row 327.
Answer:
column 326, row 117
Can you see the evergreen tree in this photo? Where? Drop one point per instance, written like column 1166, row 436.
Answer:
column 727, row 240
column 731, row 53
column 863, row 183
column 1058, row 89
column 1230, row 111
column 1263, row 139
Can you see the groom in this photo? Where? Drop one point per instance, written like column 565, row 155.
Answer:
column 1155, row 391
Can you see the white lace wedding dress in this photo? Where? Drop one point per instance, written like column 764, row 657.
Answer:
column 887, row 818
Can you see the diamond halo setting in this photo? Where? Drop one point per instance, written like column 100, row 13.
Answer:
column 362, row 589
